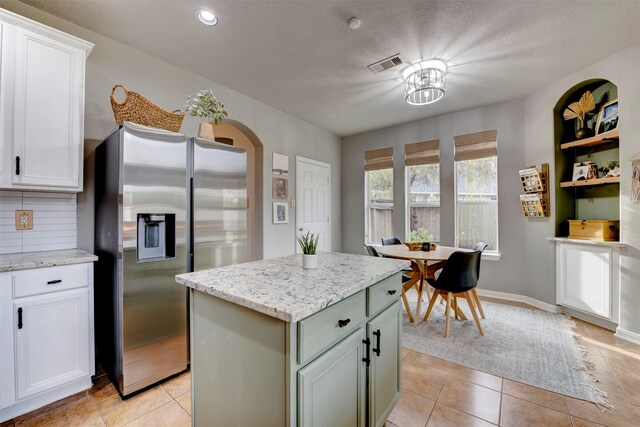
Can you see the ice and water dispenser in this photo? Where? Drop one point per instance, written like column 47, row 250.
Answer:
column 156, row 237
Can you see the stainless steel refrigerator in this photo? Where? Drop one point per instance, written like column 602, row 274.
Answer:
column 164, row 204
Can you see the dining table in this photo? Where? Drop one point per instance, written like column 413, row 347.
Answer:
column 428, row 263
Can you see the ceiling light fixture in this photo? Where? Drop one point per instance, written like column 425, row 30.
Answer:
column 206, row 17
column 354, row 23
column 425, row 82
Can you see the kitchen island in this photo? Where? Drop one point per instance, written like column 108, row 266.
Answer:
column 275, row 345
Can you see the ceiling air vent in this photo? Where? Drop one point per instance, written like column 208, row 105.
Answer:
column 385, row 64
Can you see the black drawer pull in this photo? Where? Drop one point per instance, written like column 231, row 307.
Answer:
column 53, row 282
column 366, row 358
column 20, row 318
column 17, row 165
column 377, row 334
column 392, row 292
column 343, row 323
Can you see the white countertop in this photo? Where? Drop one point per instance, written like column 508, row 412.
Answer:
column 27, row 260
column 587, row 242
column 281, row 288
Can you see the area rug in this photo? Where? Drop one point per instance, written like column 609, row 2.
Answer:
column 530, row 346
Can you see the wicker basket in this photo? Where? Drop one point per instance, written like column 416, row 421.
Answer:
column 137, row 109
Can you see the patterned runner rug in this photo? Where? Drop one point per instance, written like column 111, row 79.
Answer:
column 531, row 346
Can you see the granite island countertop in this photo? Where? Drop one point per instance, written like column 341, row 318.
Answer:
column 281, row 288
column 28, row 260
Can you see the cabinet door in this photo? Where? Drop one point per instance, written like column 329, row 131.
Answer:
column 52, row 340
column 585, row 279
column 384, row 331
column 47, row 113
column 331, row 389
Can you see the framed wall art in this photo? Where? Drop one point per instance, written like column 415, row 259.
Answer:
column 280, row 213
column 635, row 178
column 280, row 165
column 280, row 188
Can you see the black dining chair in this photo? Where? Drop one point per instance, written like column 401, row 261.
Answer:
column 480, row 246
column 457, row 279
column 371, row 250
column 391, row 241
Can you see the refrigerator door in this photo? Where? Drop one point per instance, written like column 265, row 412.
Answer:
column 154, row 216
column 219, row 200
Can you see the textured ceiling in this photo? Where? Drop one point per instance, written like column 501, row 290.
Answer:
column 301, row 57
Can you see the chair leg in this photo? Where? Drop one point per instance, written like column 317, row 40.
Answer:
column 455, row 308
column 474, row 293
column 473, row 312
column 406, row 305
column 447, row 315
column 432, row 302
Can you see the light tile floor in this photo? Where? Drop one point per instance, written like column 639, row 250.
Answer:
column 436, row 393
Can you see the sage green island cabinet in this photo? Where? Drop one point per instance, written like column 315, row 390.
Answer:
column 273, row 344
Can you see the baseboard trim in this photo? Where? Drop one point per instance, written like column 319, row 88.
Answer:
column 623, row 334
column 518, row 298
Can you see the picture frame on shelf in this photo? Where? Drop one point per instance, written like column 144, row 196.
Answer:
column 280, row 213
column 583, row 171
column 607, row 117
column 280, row 188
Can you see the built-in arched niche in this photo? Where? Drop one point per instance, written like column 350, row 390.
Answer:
column 598, row 199
column 237, row 134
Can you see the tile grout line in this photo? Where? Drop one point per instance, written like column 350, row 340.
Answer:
column 626, row 393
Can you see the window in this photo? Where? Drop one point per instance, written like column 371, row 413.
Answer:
column 422, row 167
column 378, row 195
column 476, row 169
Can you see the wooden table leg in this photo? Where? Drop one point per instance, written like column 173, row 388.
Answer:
column 418, row 306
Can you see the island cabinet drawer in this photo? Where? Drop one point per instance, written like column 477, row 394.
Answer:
column 383, row 293
column 323, row 329
column 51, row 279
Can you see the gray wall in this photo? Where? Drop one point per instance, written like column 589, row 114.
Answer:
column 168, row 86
column 506, row 275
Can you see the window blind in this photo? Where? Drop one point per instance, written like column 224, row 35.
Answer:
column 422, row 153
column 378, row 159
column 476, row 145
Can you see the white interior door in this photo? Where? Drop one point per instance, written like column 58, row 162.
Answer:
column 313, row 194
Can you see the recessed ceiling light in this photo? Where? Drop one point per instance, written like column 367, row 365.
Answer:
column 354, row 23
column 206, row 17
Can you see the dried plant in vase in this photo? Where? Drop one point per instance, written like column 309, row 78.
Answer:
column 579, row 110
column 206, row 106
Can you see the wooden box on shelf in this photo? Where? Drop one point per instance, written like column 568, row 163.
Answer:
column 594, row 229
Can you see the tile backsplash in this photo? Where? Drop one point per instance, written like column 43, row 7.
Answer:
column 54, row 221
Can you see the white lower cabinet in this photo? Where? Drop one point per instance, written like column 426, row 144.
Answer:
column 587, row 278
column 47, row 350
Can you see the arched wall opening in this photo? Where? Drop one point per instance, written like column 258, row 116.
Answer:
column 588, row 202
column 237, row 134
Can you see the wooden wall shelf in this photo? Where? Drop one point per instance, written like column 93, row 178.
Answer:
column 590, row 182
column 603, row 138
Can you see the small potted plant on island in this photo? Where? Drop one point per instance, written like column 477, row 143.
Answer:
column 309, row 245
column 206, row 106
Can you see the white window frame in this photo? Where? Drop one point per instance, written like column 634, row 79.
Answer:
column 492, row 255
column 366, row 208
column 408, row 205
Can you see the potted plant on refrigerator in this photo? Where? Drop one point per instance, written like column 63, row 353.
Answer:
column 309, row 245
column 206, row 106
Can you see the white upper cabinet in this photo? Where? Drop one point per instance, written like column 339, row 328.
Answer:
column 41, row 106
